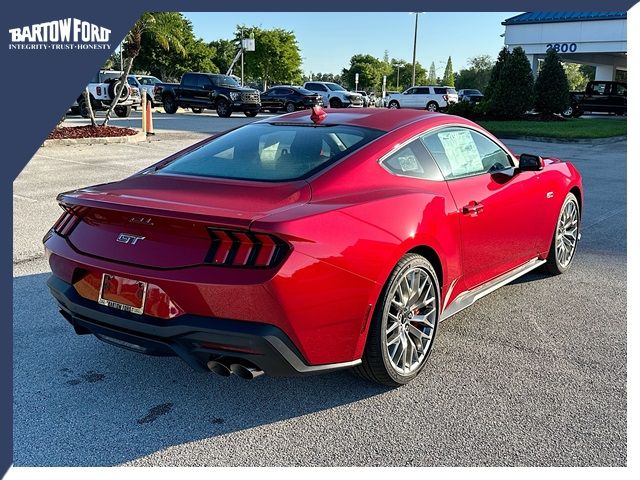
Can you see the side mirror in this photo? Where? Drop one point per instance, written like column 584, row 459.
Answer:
column 530, row 163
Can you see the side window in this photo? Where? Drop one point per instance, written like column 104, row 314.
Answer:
column 411, row 91
column 440, row 91
column 188, row 81
column 412, row 160
column 461, row 152
column 598, row 88
column 422, row 91
column 621, row 90
column 203, row 82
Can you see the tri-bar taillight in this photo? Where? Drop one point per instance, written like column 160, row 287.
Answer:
column 241, row 248
column 68, row 220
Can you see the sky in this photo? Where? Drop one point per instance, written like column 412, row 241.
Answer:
column 328, row 40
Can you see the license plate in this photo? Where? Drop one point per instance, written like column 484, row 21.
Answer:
column 122, row 293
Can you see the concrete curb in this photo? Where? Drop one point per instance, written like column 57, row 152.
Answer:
column 590, row 141
column 138, row 137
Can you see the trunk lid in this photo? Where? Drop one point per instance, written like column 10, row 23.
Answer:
column 162, row 221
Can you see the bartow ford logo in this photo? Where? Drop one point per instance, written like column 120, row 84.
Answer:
column 65, row 34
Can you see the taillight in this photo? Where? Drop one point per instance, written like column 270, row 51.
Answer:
column 68, row 220
column 446, row 98
column 239, row 248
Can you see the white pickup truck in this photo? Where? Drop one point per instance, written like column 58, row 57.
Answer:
column 334, row 95
column 432, row 98
column 102, row 88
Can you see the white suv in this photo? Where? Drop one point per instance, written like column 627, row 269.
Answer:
column 334, row 95
column 102, row 89
column 432, row 98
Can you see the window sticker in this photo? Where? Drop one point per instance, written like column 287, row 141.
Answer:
column 408, row 163
column 461, row 151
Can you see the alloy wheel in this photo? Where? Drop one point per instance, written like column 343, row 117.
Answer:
column 567, row 233
column 410, row 320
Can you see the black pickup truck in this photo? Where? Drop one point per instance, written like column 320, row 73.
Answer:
column 599, row 96
column 198, row 91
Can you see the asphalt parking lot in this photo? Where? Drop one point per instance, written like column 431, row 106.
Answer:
column 533, row 374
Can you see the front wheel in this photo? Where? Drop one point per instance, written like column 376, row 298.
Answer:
column 565, row 237
column 432, row 106
column 404, row 324
column 251, row 113
column 568, row 112
column 223, row 109
column 335, row 103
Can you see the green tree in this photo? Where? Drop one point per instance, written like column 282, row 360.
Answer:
column 276, row 58
column 477, row 73
column 510, row 90
column 160, row 27
column 406, row 71
column 224, row 53
column 551, row 90
column 432, row 78
column 370, row 71
column 448, row 79
column 575, row 76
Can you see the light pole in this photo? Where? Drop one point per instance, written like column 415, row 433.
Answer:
column 397, row 65
column 415, row 42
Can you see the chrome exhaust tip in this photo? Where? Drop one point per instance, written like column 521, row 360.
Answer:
column 248, row 373
column 219, row 368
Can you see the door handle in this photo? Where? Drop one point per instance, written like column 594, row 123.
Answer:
column 472, row 208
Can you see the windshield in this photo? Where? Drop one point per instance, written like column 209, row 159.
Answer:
column 224, row 81
column 334, row 87
column 271, row 152
column 472, row 92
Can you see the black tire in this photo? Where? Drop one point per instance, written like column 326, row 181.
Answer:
column 568, row 112
column 290, row 107
column 432, row 106
column 83, row 110
column 394, row 105
column 122, row 112
column 113, row 88
column 169, row 104
column 376, row 365
column 335, row 103
column 577, row 112
column 554, row 264
column 251, row 113
column 223, row 108
column 196, row 110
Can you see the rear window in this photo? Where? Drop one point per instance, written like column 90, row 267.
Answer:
column 452, row 91
column 272, row 152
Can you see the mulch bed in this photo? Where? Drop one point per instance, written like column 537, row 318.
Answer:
column 87, row 131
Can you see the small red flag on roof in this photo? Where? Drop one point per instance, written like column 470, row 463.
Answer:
column 317, row 114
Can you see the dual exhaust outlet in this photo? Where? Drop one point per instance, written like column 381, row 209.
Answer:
column 224, row 369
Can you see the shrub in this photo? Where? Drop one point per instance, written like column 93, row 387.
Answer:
column 510, row 90
column 552, row 87
column 468, row 110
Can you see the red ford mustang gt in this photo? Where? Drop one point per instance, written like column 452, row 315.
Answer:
column 302, row 244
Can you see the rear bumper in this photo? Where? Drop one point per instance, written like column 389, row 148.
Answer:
column 195, row 339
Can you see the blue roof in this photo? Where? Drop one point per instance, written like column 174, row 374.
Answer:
column 548, row 17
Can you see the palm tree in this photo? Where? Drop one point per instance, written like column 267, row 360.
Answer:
column 159, row 26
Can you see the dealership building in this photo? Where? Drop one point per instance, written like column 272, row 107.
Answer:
column 592, row 38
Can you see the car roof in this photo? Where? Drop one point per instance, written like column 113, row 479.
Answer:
column 377, row 118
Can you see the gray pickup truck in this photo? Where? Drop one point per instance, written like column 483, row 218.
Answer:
column 199, row 91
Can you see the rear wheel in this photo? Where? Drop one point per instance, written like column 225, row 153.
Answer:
column 169, row 104
column 568, row 112
column 122, row 111
column 565, row 237
column 404, row 324
column 432, row 106
column 290, row 107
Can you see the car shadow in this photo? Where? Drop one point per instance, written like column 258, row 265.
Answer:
column 79, row 402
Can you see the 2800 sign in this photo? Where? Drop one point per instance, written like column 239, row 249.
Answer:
column 563, row 47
